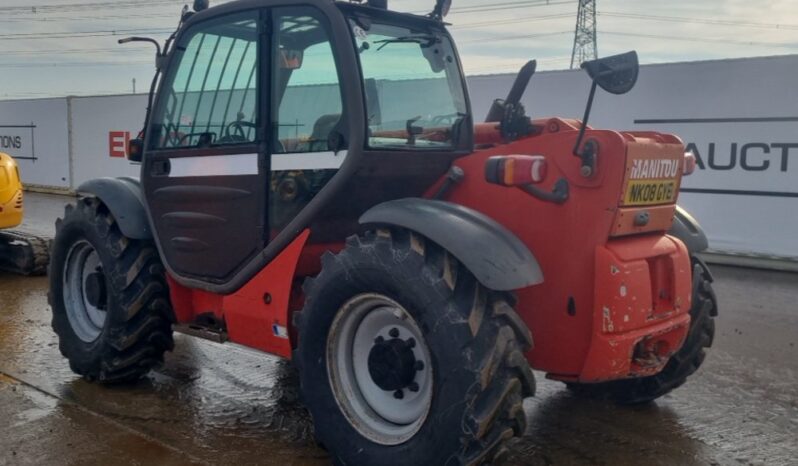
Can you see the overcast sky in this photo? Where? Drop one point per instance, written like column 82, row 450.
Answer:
column 68, row 47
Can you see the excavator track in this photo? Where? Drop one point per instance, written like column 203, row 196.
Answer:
column 23, row 253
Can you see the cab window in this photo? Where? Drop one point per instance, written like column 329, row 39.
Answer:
column 307, row 109
column 415, row 92
column 308, row 104
column 211, row 97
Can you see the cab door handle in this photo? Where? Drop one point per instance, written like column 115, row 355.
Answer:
column 161, row 168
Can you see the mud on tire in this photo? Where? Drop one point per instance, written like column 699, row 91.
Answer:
column 475, row 339
column 136, row 331
column 681, row 365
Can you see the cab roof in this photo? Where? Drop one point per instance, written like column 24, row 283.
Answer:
column 344, row 6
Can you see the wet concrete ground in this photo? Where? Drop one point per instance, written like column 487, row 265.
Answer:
column 222, row 404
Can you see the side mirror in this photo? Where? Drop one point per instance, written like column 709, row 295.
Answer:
column 616, row 74
column 135, row 150
column 291, row 59
column 200, row 5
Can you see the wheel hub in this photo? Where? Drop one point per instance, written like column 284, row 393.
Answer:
column 85, row 291
column 392, row 364
column 96, row 291
column 380, row 368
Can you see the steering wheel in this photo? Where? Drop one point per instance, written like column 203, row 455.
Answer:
column 204, row 139
column 447, row 119
column 235, row 130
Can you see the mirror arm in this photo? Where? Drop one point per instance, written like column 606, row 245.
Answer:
column 587, row 154
column 589, row 106
column 142, row 39
column 160, row 64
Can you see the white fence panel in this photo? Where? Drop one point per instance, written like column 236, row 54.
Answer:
column 101, row 127
column 35, row 132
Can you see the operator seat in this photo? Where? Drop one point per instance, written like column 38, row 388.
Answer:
column 321, row 133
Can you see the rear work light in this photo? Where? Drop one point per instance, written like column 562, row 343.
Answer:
column 516, row 170
column 689, row 164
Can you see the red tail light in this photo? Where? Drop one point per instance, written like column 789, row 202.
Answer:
column 516, row 170
column 689, row 164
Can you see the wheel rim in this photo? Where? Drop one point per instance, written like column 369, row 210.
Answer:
column 85, row 296
column 380, row 369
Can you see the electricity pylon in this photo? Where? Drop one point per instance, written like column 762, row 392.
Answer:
column 585, row 36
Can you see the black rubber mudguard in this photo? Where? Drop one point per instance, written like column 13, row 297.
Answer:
column 498, row 259
column 124, row 198
column 687, row 229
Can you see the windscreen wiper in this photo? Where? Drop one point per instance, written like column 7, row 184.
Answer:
column 425, row 40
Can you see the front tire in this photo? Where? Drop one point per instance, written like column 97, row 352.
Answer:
column 681, row 365
column 109, row 297
column 452, row 396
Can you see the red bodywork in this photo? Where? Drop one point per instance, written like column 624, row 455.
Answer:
column 616, row 295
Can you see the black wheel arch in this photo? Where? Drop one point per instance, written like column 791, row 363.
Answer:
column 687, row 229
column 125, row 200
column 496, row 257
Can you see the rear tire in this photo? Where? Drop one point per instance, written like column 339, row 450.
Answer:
column 109, row 297
column 681, row 365
column 477, row 379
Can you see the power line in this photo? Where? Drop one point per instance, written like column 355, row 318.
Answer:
column 50, row 7
column 509, row 5
column 502, row 6
column 72, row 64
column 58, row 19
column 80, row 34
column 715, row 22
column 526, row 19
column 118, row 49
column 523, row 36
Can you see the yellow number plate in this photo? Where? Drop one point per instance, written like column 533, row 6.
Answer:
column 650, row 192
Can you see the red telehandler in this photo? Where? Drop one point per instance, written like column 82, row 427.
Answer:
column 314, row 185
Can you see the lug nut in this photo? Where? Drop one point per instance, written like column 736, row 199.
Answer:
column 411, row 342
column 398, row 394
column 379, row 340
column 413, row 387
column 394, row 333
column 419, row 366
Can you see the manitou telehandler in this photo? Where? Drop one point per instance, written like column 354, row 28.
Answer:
column 313, row 185
column 19, row 252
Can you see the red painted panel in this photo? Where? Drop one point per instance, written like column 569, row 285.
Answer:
column 257, row 315
column 565, row 238
column 642, row 296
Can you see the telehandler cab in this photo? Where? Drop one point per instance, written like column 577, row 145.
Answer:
column 314, row 185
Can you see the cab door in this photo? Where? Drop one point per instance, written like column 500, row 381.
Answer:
column 205, row 171
column 308, row 121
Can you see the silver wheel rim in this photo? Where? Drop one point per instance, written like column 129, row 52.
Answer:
column 373, row 411
column 86, row 320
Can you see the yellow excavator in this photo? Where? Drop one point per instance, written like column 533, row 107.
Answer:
column 19, row 252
